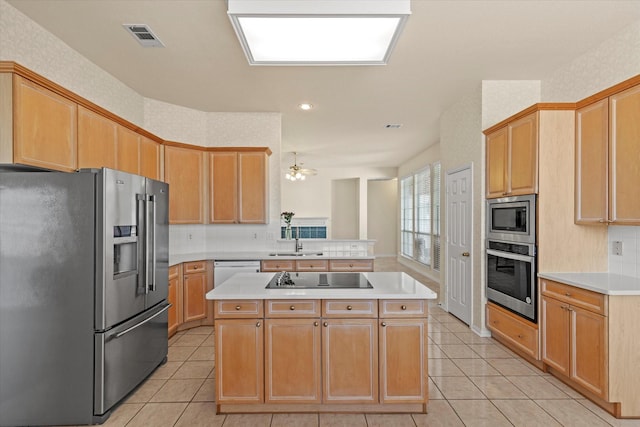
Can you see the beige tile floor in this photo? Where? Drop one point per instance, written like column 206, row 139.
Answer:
column 473, row 381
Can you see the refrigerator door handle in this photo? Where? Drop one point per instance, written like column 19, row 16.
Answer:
column 148, row 319
column 152, row 203
column 142, row 255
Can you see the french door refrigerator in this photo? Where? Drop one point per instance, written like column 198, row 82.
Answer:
column 83, row 292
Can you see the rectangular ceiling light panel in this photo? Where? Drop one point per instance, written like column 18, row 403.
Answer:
column 340, row 33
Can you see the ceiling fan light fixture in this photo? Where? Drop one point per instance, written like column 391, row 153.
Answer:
column 320, row 32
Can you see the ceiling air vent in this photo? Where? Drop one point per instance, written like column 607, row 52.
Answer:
column 143, row 34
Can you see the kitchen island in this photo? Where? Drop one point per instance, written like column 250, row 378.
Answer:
column 294, row 349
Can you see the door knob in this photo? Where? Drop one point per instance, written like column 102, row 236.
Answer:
column 465, row 253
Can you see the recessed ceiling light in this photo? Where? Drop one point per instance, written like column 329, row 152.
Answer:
column 305, row 106
column 319, row 32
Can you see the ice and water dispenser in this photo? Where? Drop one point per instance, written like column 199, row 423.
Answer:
column 125, row 250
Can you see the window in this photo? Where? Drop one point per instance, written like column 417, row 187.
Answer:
column 420, row 216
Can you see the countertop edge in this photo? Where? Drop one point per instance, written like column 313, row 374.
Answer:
column 252, row 256
column 602, row 282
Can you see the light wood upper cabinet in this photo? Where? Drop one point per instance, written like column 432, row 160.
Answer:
column 44, row 126
column 238, row 185
column 350, row 360
column 592, row 163
column 128, row 150
column 624, row 159
column 512, row 158
column 184, row 171
column 97, row 138
column 149, row 163
column 292, row 360
column 608, row 160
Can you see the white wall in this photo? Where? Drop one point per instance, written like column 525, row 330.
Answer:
column 345, row 208
column 382, row 215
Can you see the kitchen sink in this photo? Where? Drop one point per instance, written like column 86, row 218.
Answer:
column 286, row 280
column 296, row 254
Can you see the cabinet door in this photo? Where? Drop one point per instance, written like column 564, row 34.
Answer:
column 128, row 150
column 223, row 184
column 174, row 297
column 194, row 290
column 183, row 170
column 350, row 360
column 45, row 127
column 149, row 158
column 252, row 187
column 555, row 334
column 592, row 153
column 589, row 361
column 292, row 361
column 624, row 160
column 497, row 163
column 239, row 361
column 97, row 136
column 523, row 156
column 403, row 361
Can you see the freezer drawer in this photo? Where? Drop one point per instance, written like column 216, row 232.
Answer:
column 127, row 354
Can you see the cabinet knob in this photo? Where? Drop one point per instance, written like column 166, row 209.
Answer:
column 257, row 324
column 315, row 323
column 237, row 307
column 403, row 307
column 568, row 294
column 325, row 324
column 293, row 307
column 383, row 324
column 351, row 265
column 349, row 307
column 520, row 336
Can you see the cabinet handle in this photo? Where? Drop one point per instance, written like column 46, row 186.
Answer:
column 293, row 307
column 237, row 307
column 383, row 324
column 258, row 324
column 567, row 294
column 349, row 307
column 315, row 323
column 403, row 307
column 325, row 324
column 351, row 265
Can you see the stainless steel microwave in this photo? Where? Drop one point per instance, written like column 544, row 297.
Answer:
column 512, row 219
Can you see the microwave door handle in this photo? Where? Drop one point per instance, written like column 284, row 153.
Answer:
column 142, row 213
column 510, row 255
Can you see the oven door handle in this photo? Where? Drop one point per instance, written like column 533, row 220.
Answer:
column 509, row 255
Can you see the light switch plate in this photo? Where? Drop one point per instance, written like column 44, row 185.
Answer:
column 617, row 247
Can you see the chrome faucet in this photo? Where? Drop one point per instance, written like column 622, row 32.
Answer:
column 298, row 242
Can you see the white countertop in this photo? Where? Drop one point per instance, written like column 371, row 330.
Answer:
column 237, row 256
column 603, row 283
column 388, row 285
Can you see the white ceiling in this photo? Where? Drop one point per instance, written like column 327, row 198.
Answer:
column 444, row 52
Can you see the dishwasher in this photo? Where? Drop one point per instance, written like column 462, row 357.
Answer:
column 222, row 270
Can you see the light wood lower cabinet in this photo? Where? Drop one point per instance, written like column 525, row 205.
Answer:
column 239, row 361
column 350, row 360
column 188, row 284
column 518, row 333
column 310, row 264
column 322, row 352
column 174, row 298
column 351, row 265
column 195, row 288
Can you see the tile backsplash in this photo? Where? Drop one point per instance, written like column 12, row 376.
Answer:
column 628, row 263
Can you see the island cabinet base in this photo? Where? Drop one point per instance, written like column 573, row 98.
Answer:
column 342, row 408
column 357, row 355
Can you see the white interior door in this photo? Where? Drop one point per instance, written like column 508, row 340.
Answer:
column 459, row 220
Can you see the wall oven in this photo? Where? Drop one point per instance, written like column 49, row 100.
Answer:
column 511, row 254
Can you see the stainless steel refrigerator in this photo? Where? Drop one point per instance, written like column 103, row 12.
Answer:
column 83, row 292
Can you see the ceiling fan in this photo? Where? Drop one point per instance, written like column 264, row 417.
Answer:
column 297, row 172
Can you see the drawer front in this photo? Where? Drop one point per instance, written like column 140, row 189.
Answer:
column 513, row 330
column 292, row 308
column 350, row 308
column 312, row 265
column 351, row 265
column 238, row 309
column 402, row 308
column 588, row 300
column 174, row 271
column 195, row 267
column 277, row 265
